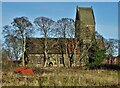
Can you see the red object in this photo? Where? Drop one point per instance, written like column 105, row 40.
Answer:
column 20, row 69
column 27, row 71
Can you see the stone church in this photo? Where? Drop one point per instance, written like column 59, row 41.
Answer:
column 57, row 49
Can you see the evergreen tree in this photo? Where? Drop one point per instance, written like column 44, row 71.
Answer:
column 96, row 55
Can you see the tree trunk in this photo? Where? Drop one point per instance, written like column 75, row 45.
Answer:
column 66, row 55
column 63, row 58
column 23, row 61
column 62, row 52
column 72, row 54
column 46, row 59
column 71, row 59
column 45, row 51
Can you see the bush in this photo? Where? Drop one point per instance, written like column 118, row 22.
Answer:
column 97, row 55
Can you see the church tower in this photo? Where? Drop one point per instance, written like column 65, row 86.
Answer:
column 85, row 29
column 84, row 24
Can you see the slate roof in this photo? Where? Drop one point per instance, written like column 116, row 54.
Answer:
column 54, row 45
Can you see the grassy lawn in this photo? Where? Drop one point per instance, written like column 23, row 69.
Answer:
column 52, row 76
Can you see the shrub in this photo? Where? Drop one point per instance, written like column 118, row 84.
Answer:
column 97, row 55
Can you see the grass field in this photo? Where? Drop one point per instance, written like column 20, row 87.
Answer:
column 51, row 76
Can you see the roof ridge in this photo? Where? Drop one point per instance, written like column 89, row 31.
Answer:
column 84, row 7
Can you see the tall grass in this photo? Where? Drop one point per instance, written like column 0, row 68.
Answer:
column 61, row 77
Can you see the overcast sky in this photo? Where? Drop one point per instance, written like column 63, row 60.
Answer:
column 106, row 13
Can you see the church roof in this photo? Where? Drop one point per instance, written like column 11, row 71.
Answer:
column 54, row 45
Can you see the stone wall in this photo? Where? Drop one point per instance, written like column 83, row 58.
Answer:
column 38, row 59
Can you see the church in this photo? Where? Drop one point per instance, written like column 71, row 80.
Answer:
column 67, row 51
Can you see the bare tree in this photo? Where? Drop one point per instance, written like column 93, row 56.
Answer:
column 67, row 30
column 23, row 28
column 66, row 27
column 11, row 43
column 112, row 47
column 46, row 27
